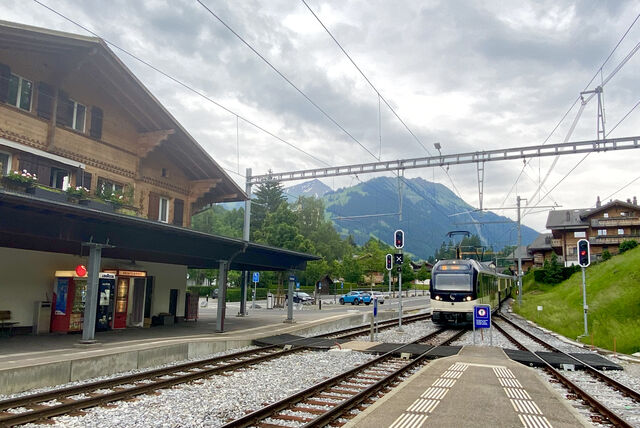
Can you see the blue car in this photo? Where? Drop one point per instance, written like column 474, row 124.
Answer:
column 355, row 298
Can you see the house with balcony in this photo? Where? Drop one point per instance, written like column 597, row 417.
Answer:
column 606, row 226
column 73, row 115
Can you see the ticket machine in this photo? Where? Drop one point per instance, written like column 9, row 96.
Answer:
column 106, row 299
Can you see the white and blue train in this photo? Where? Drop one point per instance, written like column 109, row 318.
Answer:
column 458, row 285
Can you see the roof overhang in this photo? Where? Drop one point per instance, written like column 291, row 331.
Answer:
column 34, row 224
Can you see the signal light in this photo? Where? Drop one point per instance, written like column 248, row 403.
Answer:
column 389, row 262
column 584, row 258
column 399, row 238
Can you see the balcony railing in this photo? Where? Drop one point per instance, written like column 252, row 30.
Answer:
column 556, row 242
column 612, row 240
column 615, row 222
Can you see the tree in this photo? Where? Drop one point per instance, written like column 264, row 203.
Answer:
column 280, row 230
column 269, row 196
column 217, row 220
column 423, row 273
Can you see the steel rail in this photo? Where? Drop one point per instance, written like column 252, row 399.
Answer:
column 355, row 331
column 595, row 404
column 633, row 394
column 270, row 410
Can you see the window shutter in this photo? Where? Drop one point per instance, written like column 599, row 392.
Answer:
column 64, row 113
column 85, row 180
column 96, row 123
column 5, row 75
column 45, row 100
column 178, row 212
column 154, row 206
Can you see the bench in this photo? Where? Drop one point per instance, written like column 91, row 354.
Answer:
column 5, row 316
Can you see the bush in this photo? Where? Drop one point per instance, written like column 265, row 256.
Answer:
column 539, row 275
column 78, row 192
column 606, row 255
column 627, row 245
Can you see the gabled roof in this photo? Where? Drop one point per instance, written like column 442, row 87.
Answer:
column 610, row 204
column 567, row 219
column 113, row 78
column 521, row 252
column 542, row 242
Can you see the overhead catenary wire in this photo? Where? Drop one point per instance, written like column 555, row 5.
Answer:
column 184, row 85
column 286, row 79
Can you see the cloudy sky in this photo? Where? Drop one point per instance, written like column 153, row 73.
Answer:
column 471, row 75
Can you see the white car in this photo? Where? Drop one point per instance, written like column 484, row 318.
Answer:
column 377, row 295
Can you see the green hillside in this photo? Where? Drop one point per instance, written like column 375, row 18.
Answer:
column 613, row 297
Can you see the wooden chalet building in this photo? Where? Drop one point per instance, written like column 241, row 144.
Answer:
column 73, row 114
column 605, row 226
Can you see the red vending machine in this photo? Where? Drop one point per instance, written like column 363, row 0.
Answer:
column 122, row 300
column 69, row 296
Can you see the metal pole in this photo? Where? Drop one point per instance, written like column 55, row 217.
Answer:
column 91, row 300
column 519, row 257
column 390, row 275
column 222, row 296
column 290, row 298
column 400, row 299
column 245, row 236
column 584, row 301
column 253, row 298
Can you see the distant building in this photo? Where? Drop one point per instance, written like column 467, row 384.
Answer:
column 605, row 226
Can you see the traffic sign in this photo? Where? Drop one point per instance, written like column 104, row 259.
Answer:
column 256, row 277
column 297, row 285
column 375, row 306
column 482, row 316
column 292, row 278
column 398, row 259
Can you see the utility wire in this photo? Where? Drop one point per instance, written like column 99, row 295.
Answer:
column 184, row 85
column 285, row 78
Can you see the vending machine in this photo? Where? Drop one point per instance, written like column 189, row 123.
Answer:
column 69, row 297
column 106, row 298
column 122, row 301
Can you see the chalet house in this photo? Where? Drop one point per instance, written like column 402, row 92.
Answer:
column 605, row 226
column 525, row 257
column 540, row 249
column 74, row 115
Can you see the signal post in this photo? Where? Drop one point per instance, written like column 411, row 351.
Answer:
column 398, row 241
column 584, row 260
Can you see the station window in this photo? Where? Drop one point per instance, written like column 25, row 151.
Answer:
column 5, row 163
column 620, row 231
column 20, row 92
column 582, row 234
column 606, row 215
column 163, row 214
column 59, row 178
column 602, row 232
column 107, row 187
column 79, row 116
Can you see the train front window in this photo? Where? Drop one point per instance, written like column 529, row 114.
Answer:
column 452, row 282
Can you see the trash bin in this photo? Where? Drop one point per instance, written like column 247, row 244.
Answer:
column 269, row 301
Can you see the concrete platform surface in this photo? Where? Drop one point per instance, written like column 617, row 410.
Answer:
column 480, row 386
column 28, row 362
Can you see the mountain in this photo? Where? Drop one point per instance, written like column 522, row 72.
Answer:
column 314, row 188
column 429, row 212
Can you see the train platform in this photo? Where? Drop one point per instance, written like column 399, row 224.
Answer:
column 29, row 361
column 480, row 386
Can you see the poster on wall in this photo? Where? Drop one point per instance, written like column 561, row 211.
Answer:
column 62, row 287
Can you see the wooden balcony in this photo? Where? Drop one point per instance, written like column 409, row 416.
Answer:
column 615, row 222
column 612, row 240
column 556, row 243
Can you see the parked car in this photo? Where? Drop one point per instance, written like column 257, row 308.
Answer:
column 378, row 295
column 301, row 297
column 356, row 297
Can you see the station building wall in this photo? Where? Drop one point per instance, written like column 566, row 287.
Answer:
column 29, row 276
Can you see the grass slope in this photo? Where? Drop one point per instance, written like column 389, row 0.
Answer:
column 613, row 297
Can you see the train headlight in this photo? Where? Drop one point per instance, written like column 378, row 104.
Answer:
column 468, row 298
column 437, row 297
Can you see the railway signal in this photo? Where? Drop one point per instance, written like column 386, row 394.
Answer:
column 584, row 253
column 399, row 238
column 389, row 262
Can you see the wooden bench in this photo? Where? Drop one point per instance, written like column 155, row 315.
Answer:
column 5, row 316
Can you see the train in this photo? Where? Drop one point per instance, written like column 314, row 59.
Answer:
column 458, row 285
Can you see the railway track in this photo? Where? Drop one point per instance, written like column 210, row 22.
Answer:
column 607, row 413
column 382, row 325
column 41, row 406
column 326, row 402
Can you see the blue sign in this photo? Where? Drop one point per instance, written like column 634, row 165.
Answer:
column 292, row 278
column 375, row 307
column 256, row 277
column 342, row 285
column 482, row 316
column 297, row 285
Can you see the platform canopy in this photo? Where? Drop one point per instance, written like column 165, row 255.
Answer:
column 32, row 223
